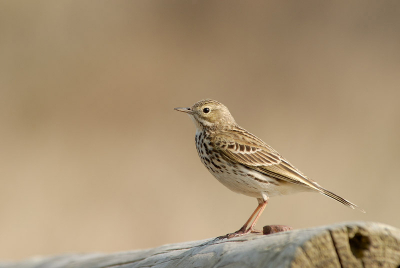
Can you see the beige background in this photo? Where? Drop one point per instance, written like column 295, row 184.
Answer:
column 93, row 157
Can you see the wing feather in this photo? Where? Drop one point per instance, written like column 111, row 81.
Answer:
column 245, row 148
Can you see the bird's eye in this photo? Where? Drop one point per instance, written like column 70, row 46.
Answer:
column 206, row 110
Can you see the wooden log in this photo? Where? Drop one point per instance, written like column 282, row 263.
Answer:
column 353, row 244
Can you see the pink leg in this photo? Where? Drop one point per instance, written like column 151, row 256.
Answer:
column 244, row 230
column 255, row 213
column 262, row 207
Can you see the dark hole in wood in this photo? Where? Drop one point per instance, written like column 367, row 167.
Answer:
column 359, row 244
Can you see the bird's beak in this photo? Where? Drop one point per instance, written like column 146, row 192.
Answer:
column 183, row 110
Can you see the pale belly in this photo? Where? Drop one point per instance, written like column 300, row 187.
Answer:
column 255, row 184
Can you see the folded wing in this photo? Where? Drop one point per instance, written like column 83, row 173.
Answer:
column 238, row 145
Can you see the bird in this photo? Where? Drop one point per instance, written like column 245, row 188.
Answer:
column 244, row 163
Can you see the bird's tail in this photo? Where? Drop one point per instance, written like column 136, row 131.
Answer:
column 340, row 199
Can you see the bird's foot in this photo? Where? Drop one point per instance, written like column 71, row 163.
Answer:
column 240, row 232
column 268, row 229
column 272, row 229
column 254, row 231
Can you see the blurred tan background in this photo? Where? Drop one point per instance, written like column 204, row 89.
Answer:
column 93, row 157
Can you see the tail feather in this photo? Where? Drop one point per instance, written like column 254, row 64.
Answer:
column 340, row 199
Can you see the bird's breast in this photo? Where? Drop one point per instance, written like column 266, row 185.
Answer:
column 235, row 176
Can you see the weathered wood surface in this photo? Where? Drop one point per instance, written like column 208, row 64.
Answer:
column 354, row 244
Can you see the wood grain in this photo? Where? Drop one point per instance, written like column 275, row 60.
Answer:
column 353, row 244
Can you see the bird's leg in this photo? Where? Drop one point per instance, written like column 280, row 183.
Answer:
column 244, row 230
column 261, row 206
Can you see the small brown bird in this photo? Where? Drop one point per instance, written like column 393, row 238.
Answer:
column 244, row 163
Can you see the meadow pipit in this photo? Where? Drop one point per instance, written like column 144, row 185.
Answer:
column 244, row 163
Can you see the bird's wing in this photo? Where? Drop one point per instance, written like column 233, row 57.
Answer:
column 243, row 147
column 247, row 151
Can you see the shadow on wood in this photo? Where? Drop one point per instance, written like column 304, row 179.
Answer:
column 354, row 244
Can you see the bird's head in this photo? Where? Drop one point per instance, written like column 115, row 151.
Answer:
column 209, row 114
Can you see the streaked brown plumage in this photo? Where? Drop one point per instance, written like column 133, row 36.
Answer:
column 244, row 163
